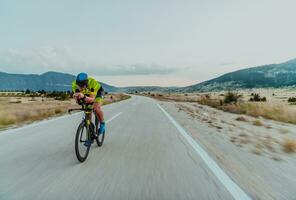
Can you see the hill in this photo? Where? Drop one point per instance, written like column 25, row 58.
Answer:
column 274, row 75
column 48, row 81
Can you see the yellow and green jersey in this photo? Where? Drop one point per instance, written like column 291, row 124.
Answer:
column 92, row 87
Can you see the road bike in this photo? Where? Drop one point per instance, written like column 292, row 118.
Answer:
column 86, row 132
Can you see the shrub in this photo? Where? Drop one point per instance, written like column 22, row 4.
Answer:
column 231, row 97
column 18, row 101
column 257, row 123
column 257, row 151
column 241, row 119
column 6, row 121
column 256, row 97
column 206, row 100
column 289, row 145
column 292, row 100
column 284, row 131
column 58, row 111
column 62, row 97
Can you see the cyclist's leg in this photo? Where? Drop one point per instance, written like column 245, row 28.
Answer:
column 98, row 109
column 98, row 104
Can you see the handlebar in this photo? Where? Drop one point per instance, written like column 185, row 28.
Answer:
column 70, row 110
column 84, row 107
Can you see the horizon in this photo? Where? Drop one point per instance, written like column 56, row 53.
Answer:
column 111, row 84
column 145, row 43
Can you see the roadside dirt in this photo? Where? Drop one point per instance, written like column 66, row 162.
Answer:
column 253, row 151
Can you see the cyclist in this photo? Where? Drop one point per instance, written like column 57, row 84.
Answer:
column 90, row 91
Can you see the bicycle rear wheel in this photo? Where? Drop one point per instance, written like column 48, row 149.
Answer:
column 82, row 136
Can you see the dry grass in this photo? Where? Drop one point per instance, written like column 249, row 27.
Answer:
column 276, row 158
column 274, row 110
column 241, row 119
column 27, row 111
column 283, row 130
column 186, row 109
column 243, row 135
column 7, row 121
column 289, row 145
column 257, row 123
column 268, row 143
column 257, row 151
column 58, row 110
column 112, row 98
column 233, row 139
column 268, row 126
column 177, row 97
column 23, row 113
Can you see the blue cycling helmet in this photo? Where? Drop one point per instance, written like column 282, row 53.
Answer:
column 81, row 79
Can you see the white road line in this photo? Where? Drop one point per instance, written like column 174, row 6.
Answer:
column 115, row 116
column 231, row 186
column 34, row 124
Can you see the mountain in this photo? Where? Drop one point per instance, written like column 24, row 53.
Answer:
column 133, row 89
column 48, row 81
column 274, row 75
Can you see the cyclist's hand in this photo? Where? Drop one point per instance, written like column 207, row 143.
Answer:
column 77, row 96
column 89, row 100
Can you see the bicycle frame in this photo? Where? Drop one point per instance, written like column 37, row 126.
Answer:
column 87, row 117
column 87, row 120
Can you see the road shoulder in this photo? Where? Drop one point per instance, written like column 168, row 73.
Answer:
column 265, row 176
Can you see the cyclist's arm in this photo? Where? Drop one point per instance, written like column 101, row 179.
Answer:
column 94, row 87
column 77, row 94
column 74, row 87
column 89, row 99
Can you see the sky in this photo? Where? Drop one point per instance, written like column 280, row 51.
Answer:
column 139, row 42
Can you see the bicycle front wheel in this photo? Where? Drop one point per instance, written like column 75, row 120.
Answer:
column 81, row 142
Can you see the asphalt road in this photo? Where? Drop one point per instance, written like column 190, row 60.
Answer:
column 144, row 157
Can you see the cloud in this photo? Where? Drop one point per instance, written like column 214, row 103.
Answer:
column 135, row 69
column 34, row 60
column 62, row 59
column 227, row 63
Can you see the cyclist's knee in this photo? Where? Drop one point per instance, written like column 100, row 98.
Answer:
column 97, row 107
